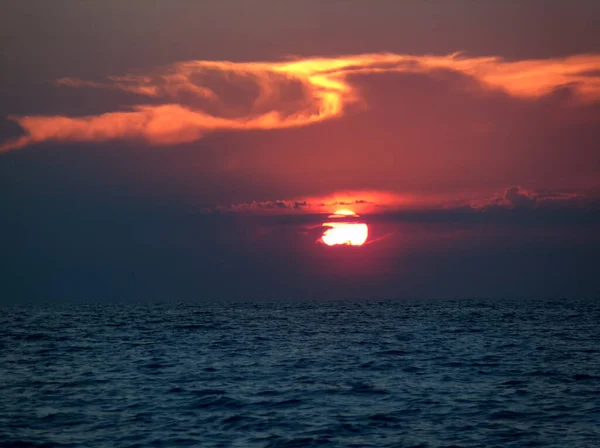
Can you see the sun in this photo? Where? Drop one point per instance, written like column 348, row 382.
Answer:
column 343, row 212
column 344, row 232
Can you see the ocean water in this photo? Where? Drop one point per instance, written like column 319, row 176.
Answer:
column 469, row 373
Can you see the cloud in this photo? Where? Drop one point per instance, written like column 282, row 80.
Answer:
column 199, row 97
column 383, row 202
column 513, row 197
column 517, row 197
column 133, row 84
column 357, row 201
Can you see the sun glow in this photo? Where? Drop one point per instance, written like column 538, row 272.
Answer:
column 345, row 233
column 343, row 212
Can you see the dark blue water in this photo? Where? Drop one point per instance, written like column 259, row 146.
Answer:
column 435, row 373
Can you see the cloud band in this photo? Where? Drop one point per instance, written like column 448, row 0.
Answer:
column 194, row 98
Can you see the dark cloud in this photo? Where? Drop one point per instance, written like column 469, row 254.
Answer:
column 518, row 197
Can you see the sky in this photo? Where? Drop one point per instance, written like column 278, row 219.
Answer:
column 176, row 150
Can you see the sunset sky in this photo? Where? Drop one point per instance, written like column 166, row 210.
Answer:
column 178, row 150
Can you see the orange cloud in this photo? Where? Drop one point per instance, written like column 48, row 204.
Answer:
column 274, row 95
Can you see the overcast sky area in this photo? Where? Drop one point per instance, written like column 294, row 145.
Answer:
column 177, row 150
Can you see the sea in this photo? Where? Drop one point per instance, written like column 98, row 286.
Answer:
column 410, row 373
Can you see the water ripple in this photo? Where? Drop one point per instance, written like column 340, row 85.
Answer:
column 468, row 373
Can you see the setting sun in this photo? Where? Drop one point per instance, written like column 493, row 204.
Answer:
column 343, row 212
column 345, row 233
